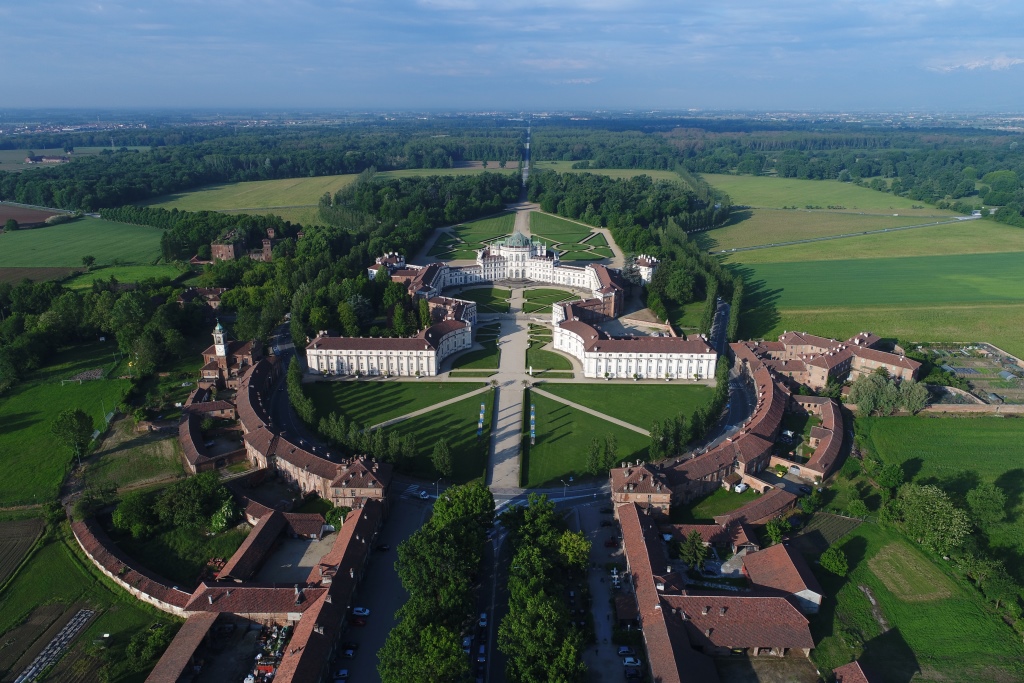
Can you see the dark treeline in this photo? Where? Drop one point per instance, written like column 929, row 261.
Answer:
column 125, row 176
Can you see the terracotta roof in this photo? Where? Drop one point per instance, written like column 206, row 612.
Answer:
column 795, row 365
column 584, row 331
column 304, row 523
column 103, row 551
column 262, row 440
column 804, row 339
column 855, row 672
column 645, row 478
column 298, row 456
column 765, row 507
column 831, row 416
column 254, row 549
column 252, row 599
column 250, row 395
column 868, row 339
column 361, row 473
column 210, row 407
column 884, row 357
column 782, row 568
column 178, row 654
column 810, row 400
column 734, row 621
column 190, row 436
column 605, row 277
column 740, row 535
column 712, row 534
column 820, row 433
column 437, row 331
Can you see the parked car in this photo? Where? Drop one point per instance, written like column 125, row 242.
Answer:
column 741, row 487
column 357, row 621
column 383, row 547
column 342, row 675
column 633, row 672
column 481, row 655
column 805, row 489
column 424, row 495
column 360, row 611
column 626, row 651
column 483, row 620
column 467, row 644
column 350, row 646
column 348, row 654
column 630, row 661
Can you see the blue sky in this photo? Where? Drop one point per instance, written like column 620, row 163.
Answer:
column 514, row 54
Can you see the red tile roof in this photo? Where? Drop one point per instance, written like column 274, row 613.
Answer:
column 766, row 506
column 855, row 672
column 736, row 621
column 362, row 473
column 645, row 478
column 782, row 568
column 254, row 549
column 190, row 436
column 179, row 653
column 252, row 599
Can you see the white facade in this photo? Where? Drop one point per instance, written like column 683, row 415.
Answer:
column 645, row 357
column 646, row 265
column 410, row 357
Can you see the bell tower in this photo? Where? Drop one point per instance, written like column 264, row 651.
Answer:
column 220, row 347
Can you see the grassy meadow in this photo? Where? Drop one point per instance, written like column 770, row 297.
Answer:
column 956, row 454
column 563, row 437
column 123, row 274
column 64, row 245
column 776, row 193
column 372, row 402
column 33, row 462
column 637, row 403
column 926, row 625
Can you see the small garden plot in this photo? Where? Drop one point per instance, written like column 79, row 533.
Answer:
column 720, row 502
column 909, row 575
column 486, row 358
column 16, row 537
column 821, row 531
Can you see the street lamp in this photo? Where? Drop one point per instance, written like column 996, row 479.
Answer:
column 437, row 488
column 565, row 488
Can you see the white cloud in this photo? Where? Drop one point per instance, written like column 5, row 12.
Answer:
column 998, row 63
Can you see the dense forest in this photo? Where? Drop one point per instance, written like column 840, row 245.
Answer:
column 113, row 178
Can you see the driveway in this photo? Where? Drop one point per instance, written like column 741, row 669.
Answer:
column 381, row 591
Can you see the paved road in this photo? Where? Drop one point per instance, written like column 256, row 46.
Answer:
column 507, row 421
column 720, row 326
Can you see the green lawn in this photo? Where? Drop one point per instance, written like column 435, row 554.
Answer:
column 180, row 554
column 541, row 299
column 486, row 358
column 955, row 454
column 488, row 299
column 638, row 403
column 59, row 573
column 973, row 297
column 465, row 238
column 557, row 229
column 541, row 361
column 718, row 502
column 128, row 458
column 774, row 192
column 563, row 437
column 687, row 316
column 967, row 237
column 33, row 462
column 457, row 423
column 954, row 639
column 123, row 274
column 64, row 245
column 371, row 402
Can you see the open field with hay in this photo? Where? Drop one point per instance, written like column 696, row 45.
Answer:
column 64, row 245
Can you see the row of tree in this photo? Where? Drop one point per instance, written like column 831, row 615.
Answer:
column 538, row 634
column 438, row 566
column 879, row 394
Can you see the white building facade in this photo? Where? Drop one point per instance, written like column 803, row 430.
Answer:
column 418, row 356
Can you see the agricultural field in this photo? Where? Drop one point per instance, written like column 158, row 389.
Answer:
column 123, row 274
column 924, row 624
column 33, row 463
column 718, row 502
column 755, row 227
column 488, row 299
column 24, row 215
column 973, row 297
column 962, row 237
column 371, row 402
column 127, row 459
column 290, row 198
column 17, row 275
column 956, row 454
column 617, row 173
column 58, row 578
column 776, row 193
column 457, row 423
column 563, row 437
column 64, row 245
column 541, row 299
column 821, row 531
column 14, row 159
column 637, row 403
column 460, row 242
column 16, row 537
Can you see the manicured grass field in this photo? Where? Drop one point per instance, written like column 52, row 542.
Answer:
column 541, row 299
column 486, row 358
column 123, row 274
column 557, row 229
column 59, row 573
column 539, row 360
column 464, row 239
column 372, row 402
column 773, row 192
column 574, row 241
column 955, row 639
column 638, row 403
column 753, row 227
column 457, row 423
column 488, row 299
column 718, row 502
column 566, row 167
column 64, row 245
column 33, row 462
column 955, row 454
column 563, row 437
column 974, row 297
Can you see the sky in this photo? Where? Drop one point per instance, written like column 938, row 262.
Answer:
column 515, row 55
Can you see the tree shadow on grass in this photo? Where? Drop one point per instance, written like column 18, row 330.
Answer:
column 760, row 305
column 1012, row 484
column 912, row 467
column 16, row 421
column 956, row 484
column 891, row 654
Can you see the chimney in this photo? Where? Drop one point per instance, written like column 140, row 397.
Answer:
column 318, row 629
column 721, row 612
column 328, row 599
column 706, row 610
column 668, row 569
column 210, row 598
column 351, row 573
column 707, row 632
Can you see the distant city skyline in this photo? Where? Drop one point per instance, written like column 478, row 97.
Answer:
column 515, row 55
